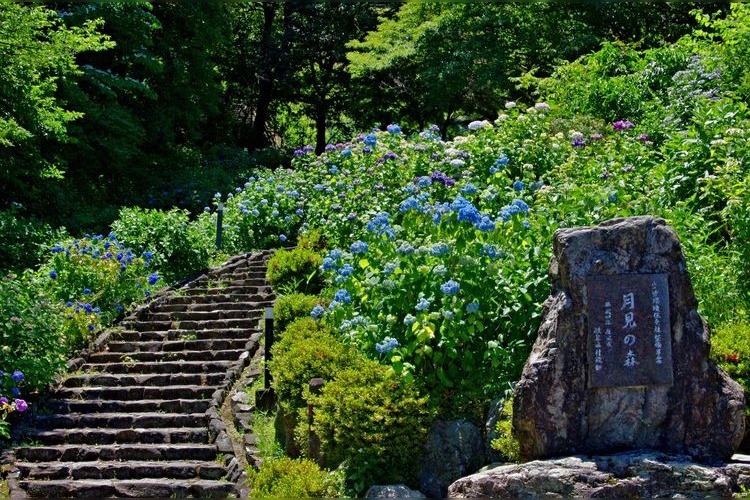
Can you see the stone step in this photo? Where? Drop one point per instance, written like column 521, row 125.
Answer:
column 132, row 393
column 163, row 335
column 242, row 279
column 155, row 379
column 147, row 326
column 257, row 305
column 116, row 452
column 120, row 420
column 140, row 488
column 198, row 435
column 214, row 314
column 178, row 345
column 176, row 405
column 228, row 291
column 258, row 298
column 115, row 357
column 184, row 469
column 160, row 367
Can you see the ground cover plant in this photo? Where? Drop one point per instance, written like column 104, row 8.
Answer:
column 433, row 253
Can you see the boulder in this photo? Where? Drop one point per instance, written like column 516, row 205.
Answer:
column 628, row 276
column 634, row 474
column 452, row 450
column 392, row 491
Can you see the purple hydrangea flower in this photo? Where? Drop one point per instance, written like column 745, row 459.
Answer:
column 21, row 405
column 622, row 125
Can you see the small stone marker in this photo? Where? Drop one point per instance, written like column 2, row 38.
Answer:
column 621, row 359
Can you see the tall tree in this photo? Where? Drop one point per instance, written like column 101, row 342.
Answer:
column 255, row 68
column 37, row 53
column 320, row 33
column 291, row 53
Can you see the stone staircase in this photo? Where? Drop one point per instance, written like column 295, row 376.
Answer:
column 139, row 416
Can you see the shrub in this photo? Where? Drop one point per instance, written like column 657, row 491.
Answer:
column 30, row 331
column 306, row 350
column 290, row 307
column 313, row 239
column 374, row 422
column 730, row 347
column 289, row 478
column 97, row 278
column 295, row 270
column 180, row 249
column 505, row 443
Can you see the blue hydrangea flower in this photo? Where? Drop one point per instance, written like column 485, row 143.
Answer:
column 53, row 274
column 472, row 307
column 490, row 251
column 519, row 186
column 359, row 247
column 381, row 225
column 342, row 296
column 153, row 278
column 387, row 345
column 86, row 291
column 333, row 169
column 17, row 376
column 522, row 206
column 389, row 268
column 485, row 224
column 317, row 312
column 393, row 129
column 450, row 287
column 336, row 253
column 457, row 163
column 410, row 203
column 469, row 189
column 405, row 248
column 370, row 140
column 439, row 249
column 469, row 213
column 346, row 153
column 423, row 304
column 346, row 270
column 409, row 320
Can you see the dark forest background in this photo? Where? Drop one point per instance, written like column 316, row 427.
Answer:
column 161, row 104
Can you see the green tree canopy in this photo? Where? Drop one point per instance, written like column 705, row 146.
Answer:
column 37, row 54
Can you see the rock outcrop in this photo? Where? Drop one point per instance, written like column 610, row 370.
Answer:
column 636, row 474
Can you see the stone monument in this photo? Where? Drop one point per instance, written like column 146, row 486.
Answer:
column 621, row 361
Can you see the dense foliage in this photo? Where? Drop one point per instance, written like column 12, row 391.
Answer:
column 107, row 104
column 429, row 256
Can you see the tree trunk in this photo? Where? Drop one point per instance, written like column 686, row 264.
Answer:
column 266, row 79
column 321, row 115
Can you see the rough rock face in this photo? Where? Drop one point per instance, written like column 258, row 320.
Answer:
column 557, row 409
column 453, row 449
column 392, row 491
column 635, row 474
